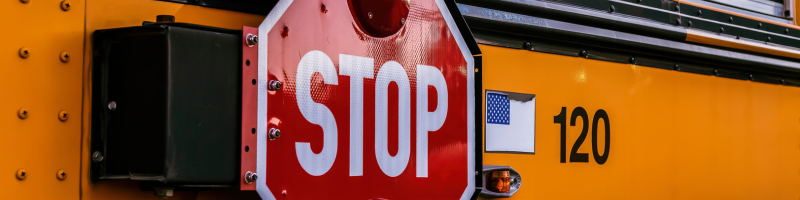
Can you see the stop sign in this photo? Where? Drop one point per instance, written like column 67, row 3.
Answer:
column 376, row 102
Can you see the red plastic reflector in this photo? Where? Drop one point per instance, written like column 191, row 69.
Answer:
column 499, row 181
column 380, row 18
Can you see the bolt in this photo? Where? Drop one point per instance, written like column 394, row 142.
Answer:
column 677, row 67
column 678, row 21
column 251, row 39
column 699, row 12
column 61, row 174
column 632, row 60
column 250, row 177
column 769, row 39
column 97, row 157
column 730, row 19
column 721, row 29
column 65, row 5
column 274, row 85
column 677, row 8
column 369, row 14
column 24, row 53
column 611, row 8
column 63, row 116
column 526, row 45
column 274, row 134
column 690, row 23
column 112, row 105
column 584, row 54
column 64, row 57
column 22, row 113
column 760, row 25
column 22, row 174
column 786, row 31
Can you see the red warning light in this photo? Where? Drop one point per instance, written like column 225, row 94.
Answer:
column 380, row 18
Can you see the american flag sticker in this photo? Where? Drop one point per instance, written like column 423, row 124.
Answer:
column 510, row 122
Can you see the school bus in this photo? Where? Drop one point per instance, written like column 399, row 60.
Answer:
column 649, row 99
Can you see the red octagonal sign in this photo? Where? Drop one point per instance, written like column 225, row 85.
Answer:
column 376, row 102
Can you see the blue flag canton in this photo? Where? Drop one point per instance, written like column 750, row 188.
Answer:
column 497, row 109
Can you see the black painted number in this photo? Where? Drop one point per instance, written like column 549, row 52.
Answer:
column 574, row 156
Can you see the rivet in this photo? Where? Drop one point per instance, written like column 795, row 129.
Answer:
column 721, row 29
column 24, row 52
column 769, row 39
column 274, row 85
column 274, row 134
column 369, row 14
column 699, row 12
column 22, row 113
column 677, row 8
column 690, row 23
column 97, row 157
column 61, row 174
column 760, row 25
column 526, row 45
column 112, row 105
column 677, row 67
column 250, row 177
column 730, row 19
column 22, row 174
column 65, row 5
column 678, row 21
column 251, row 39
column 64, row 57
column 611, row 8
column 63, row 116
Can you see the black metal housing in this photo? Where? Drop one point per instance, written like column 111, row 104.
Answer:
column 177, row 89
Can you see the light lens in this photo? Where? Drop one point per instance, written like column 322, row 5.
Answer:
column 499, row 181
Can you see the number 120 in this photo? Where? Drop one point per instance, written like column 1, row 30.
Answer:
column 574, row 156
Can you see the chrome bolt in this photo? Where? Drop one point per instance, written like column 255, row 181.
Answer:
column 274, row 133
column 274, row 85
column 251, row 39
column 250, row 177
column 97, row 156
column 112, row 105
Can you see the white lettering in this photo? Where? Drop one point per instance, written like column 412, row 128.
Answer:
column 358, row 68
column 392, row 165
column 316, row 113
column 428, row 121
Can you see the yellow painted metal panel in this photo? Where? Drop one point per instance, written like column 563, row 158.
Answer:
column 674, row 135
column 44, row 85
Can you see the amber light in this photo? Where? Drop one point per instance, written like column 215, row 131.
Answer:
column 499, row 181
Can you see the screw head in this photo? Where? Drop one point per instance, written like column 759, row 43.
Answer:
column 61, row 174
column 63, row 116
column 678, row 21
column 730, row 19
column 677, row 8
column 699, row 12
column 65, row 5
column 760, row 25
column 611, row 8
column 369, row 14
column 22, row 174
column 250, row 177
column 112, row 105
column 584, row 54
column 769, row 39
column 64, row 57
column 526, row 45
column 689, row 23
column 632, row 60
column 274, row 133
column 24, row 52
column 97, row 156
column 786, row 31
column 251, row 39
column 721, row 29
column 274, row 85
column 22, row 113
column 677, row 67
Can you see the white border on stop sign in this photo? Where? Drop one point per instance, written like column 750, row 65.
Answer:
column 263, row 79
